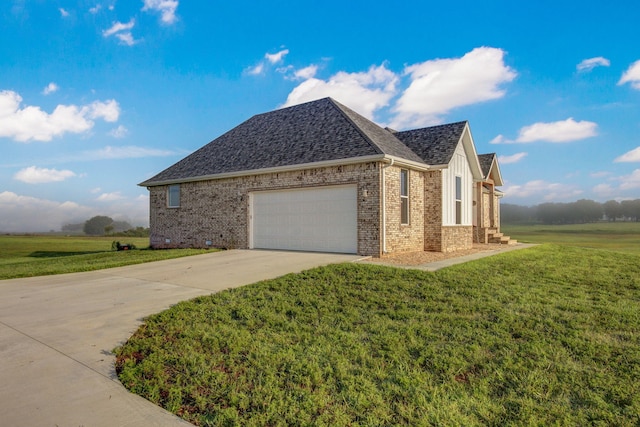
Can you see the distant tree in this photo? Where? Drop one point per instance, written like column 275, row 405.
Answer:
column 73, row 228
column 120, row 226
column 516, row 214
column 612, row 210
column 585, row 210
column 631, row 209
column 96, row 226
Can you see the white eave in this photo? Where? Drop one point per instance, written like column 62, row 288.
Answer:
column 304, row 166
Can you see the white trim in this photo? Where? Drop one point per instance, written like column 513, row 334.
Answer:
column 289, row 168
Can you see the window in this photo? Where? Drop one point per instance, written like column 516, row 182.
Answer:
column 404, row 196
column 174, row 196
column 458, row 200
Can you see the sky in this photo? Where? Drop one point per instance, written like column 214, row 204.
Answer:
column 98, row 95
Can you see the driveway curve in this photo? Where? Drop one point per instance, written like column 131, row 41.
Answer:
column 57, row 332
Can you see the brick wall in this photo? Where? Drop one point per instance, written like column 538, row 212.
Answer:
column 433, row 211
column 404, row 237
column 217, row 211
column 457, row 238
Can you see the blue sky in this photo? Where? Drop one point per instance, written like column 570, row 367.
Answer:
column 99, row 95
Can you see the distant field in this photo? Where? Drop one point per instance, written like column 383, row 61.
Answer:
column 615, row 236
column 27, row 256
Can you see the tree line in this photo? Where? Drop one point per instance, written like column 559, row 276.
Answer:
column 101, row 225
column 579, row 212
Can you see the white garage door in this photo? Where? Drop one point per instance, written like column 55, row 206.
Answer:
column 322, row 219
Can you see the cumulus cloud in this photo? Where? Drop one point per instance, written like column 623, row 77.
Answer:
column 31, row 123
column 63, row 12
column 110, row 197
column 95, row 9
column 255, row 70
column 589, row 64
column 544, row 190
column 35, row 175
column 24, row 213
column 276, row 57
column 560, row 131
column 19, row 213
column 631, row 181
column 122, row 32
column 629, row 156
column 306, row 72
column 50, row 88
column 632, row 75
column 167, row 8
column 514, row 158
column 440, row 85
column 365, row 92
column 119, row 132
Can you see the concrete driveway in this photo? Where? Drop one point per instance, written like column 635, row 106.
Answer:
column 57, row 332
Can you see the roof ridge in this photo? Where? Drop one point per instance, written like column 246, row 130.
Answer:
column 340, row 107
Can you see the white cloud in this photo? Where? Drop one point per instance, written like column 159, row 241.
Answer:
column 118, row 27
column 306, row 72
column 560, row 131
column 500, row 139
column 24, row 214
column 119, row 132
column 108, row 111
column 276, row 57
column 50, row 88
column 440, row 85
column 31, row 123
column 630, row 182
column 63, row 12
column 110, row 197
column 591, row 63
column 604, row 190
column 630, row 156
column 544, row 190
column 20, row 213
column 35, row 175
column 256, row 70
column 365, row 92
column 166, row 7
column 122, row 32
column 514, row 158
column 126, row 152
column 95, row 9
column 632, row 75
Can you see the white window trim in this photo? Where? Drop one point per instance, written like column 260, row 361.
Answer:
column 405, row 197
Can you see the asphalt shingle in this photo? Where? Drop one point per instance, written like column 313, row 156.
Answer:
column 317, row 131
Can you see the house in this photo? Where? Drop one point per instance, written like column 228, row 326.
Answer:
column 320, row 177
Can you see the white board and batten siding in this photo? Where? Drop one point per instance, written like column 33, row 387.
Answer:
column 318, row 219
column 459, row 166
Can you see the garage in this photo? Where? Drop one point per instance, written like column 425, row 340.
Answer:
column 319, row 219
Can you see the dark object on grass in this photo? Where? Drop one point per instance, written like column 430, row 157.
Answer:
column 116, row 246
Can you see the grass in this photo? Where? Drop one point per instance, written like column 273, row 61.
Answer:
column 543, row 336
column 617, row 236
column 28, row 256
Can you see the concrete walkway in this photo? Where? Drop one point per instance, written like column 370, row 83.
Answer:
column 437, row 265
column 57, row 332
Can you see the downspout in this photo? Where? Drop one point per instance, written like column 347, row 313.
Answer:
column 384, row 208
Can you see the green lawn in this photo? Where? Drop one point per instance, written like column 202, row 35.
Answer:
column 543, row 336
column 618, row 236
column 27, row 256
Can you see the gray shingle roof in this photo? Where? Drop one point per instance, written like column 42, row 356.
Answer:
column 436, row 144
column 486, row 160
column 317, row 131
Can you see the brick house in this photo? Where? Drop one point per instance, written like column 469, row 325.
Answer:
column 320, row 177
